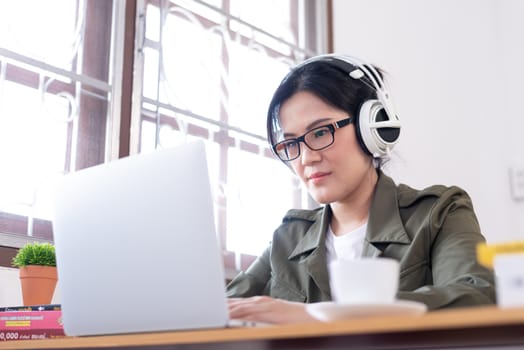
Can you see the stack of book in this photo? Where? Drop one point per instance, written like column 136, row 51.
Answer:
column 31, row 322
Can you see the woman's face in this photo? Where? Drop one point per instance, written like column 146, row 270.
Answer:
column 334, row 174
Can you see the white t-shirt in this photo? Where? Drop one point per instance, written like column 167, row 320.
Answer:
column 346, row 246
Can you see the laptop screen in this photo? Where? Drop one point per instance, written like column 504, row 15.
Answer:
column 136, row 245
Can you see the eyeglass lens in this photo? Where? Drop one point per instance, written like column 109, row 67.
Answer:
column 315, row 139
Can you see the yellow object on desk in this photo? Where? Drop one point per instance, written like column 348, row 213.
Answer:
column 486, row 252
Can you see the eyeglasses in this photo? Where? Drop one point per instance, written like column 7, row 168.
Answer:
column 315, row 139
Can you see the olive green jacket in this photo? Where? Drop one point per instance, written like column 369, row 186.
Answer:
column 433, row 233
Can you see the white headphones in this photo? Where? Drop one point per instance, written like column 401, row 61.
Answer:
column 377, row 124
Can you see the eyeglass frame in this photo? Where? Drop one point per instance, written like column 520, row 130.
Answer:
column 332, row 128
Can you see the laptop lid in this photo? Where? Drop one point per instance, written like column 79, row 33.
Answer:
column 136, row 245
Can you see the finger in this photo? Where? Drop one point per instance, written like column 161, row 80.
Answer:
column 253, row 311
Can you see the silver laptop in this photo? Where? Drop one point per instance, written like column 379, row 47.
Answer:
column 136, row 246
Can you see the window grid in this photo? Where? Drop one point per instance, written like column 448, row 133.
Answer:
column 216, row 129
column 93, row 137
column 79, row 83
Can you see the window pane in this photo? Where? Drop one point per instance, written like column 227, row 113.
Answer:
column 219, row 63
column 150, row 81
column 274, row 17
column 259, row 193
column 253, row 78
column 201, row 10
column 34, row 29
column 191, row 77
column 153, row 16
column 54, row 102
column 33, row 143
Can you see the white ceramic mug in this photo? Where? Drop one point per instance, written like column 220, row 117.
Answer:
column 364, row 281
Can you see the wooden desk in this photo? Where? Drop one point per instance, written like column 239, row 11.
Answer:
column 483, row 326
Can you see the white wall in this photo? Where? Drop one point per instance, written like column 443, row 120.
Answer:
column 455, row 71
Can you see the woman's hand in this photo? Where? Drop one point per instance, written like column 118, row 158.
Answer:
column 268, row 310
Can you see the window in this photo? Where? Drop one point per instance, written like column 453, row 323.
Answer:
column 200, row 69
column 55, row 98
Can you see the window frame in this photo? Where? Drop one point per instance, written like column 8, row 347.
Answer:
column 233, row 261
column 121, row 136
column 100, row 23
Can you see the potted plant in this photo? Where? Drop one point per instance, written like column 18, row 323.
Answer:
column 38, row 277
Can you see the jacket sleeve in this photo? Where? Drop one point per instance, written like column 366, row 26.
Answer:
column 458, row 279
column 254, row 281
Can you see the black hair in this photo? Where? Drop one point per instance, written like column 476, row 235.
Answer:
column 328, row 81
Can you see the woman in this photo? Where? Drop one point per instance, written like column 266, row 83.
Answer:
column 332, row 122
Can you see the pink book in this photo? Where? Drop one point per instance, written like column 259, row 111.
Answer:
column 30, row 334
column 20, row 320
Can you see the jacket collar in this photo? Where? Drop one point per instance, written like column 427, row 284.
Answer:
column 384, row 223
column 314, row 236
column 384, row 227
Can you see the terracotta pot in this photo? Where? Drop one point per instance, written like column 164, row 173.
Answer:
column 38, row 284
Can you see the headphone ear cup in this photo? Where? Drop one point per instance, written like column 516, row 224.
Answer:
column 377, row 131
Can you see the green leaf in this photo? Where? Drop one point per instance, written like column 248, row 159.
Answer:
column 35, row 254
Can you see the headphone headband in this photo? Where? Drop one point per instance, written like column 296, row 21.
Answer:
column 362, row 69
